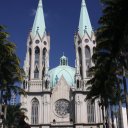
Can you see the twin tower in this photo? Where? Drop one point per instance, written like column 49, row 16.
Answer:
column 56, row 97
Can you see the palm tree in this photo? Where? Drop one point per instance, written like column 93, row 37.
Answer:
column 111, row 37
column 103, row 82
column 116, row 12
column 14, row 115
column 10, row 71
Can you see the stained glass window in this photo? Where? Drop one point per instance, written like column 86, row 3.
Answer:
column 88, row 58
column 62, row 107
column 36, row 73
column 91, row 112
column 35, row 112
column 37, row 53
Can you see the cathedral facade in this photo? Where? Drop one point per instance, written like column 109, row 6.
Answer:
column 56, row 98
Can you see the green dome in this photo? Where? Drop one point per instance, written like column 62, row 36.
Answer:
column 63, row 70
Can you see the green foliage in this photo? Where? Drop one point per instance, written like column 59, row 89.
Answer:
column 110, row 56
column 14, row 116
column 10, row 71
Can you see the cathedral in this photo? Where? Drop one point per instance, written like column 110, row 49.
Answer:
column 56, row 98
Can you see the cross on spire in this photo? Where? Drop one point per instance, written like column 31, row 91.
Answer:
column 39, row 22
column 84, row 21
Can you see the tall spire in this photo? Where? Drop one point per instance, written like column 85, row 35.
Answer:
column 39, row 22
column 84, row 22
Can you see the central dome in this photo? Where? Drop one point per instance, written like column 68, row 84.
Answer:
column 62, row 70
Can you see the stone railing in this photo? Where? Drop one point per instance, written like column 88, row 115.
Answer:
column 35, row 86
column 62, row 123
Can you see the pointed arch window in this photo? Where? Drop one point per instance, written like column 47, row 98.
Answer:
column 35, row 112
column 29, row 73
column 90, row 112
column 44, row 55
column 30, row 55
column 78, row 84
column 37, row 54
column 80, row 60
column 36, row 73
column 88, row 58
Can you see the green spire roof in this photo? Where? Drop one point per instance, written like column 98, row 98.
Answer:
column 84, row 22
column 39, row 23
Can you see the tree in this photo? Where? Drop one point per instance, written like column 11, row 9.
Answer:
column 117, row 24
column 112, row 38
column 103, row 82
column 13, row 114
column 16, row 115
column 10, row 71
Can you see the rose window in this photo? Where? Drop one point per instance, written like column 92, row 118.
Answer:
column 62, row 107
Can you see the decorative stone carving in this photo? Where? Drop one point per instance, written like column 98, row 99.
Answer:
column 62, row 107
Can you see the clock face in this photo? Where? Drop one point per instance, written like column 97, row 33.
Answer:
column 62, row 107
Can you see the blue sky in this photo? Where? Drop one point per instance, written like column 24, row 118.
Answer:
column 61, row 17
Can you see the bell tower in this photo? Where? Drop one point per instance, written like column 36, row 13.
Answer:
column 84, row 44
column 36, row 67
column 36, row 64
